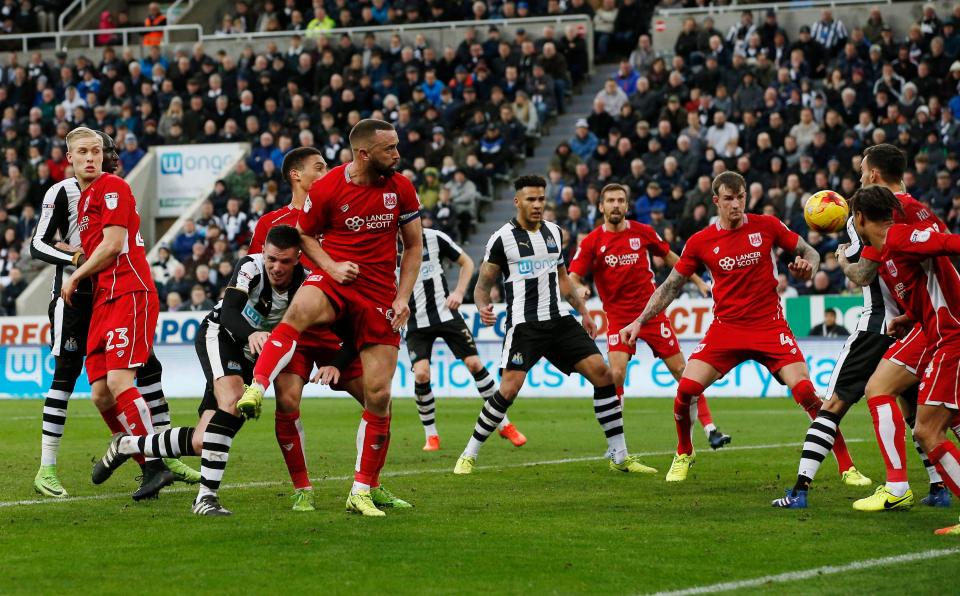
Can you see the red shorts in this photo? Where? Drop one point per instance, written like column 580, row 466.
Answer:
column 726, row 346
column 910, row 352
column 121, row 333
column 318, row 346
column 941, row 381
column 657, row 333
column 369, row 315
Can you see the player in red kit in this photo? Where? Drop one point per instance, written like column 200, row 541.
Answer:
column 914, row 262
column 125, row 304
column 738, row 251
column 616, row 253
column 359, row 209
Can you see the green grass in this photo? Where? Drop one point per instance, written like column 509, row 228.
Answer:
column 564, row 528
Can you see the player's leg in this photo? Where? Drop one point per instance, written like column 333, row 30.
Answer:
column 676, row 363
column 67, row 370
column 938, row 495
column 290, row 437
column 932, row 424
column 426, row 404
column 697, row 376
column 618, row 368
column 487, row 387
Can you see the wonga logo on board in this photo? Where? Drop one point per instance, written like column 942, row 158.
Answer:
column 171, row 164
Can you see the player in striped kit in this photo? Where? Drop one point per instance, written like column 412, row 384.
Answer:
column 527, row 252
column 433, row 316
column 68, row 334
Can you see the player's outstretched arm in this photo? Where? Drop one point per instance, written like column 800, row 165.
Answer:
column 411, row 236
column 481, row 293
column 569, row 291
column 807, row 261
column 455, row 299
column 672, row 258
column 342, row 272
column 108, row 250
column 661, row 299
column 578, row 286
column 862, row 273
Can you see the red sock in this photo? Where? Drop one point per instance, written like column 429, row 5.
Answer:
column 110, row 416
column 290, row 437
column 806, row 397
column 946, row 457
column 134, row 413
column 687, row 391
column 620, row 394
column 383, row 455
column 372, row 437
column 703, row 411
column 889, row 427
column 276, row 355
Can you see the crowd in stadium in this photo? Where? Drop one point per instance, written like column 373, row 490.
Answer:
column 791, row 114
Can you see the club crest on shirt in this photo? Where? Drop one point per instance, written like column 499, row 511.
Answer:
column 112, row 199
column 635, row 243
column 345, row 208
column 755, row 239
column 716, row 250
column 307, row 205
column 891, row 267
column 389, row 200
column 551, row 243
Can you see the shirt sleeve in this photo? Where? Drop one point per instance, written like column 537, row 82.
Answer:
column 690, row 260
column 783, row 236
column 657, row 245
column 118, row 203
column 923, row 242
column 409, row 202
column 582, row 263
column 259, row 233
column 246, row 276
column 53, row 214
column 495, row 254
column 313, row 219
column 448, row 248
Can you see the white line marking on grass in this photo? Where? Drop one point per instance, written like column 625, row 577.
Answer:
column 269, row 483
column 39, row 416
column 793, row 576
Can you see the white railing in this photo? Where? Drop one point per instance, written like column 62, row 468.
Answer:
column 735, row 7
column 91, row 35
column 72, row 7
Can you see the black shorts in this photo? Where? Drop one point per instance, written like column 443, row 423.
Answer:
column 563, row 342
column 69, row 325
column 455, row 333
column 858, row 360
column 220, row 356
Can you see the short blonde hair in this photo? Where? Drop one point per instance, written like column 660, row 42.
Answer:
column 81, row 132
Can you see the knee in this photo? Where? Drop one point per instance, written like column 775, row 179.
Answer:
column 421, row 376
column 117, row 386
column 689, row 388
column 287, row 402
column 474, row 365
column 927, row 435
column 102, row 400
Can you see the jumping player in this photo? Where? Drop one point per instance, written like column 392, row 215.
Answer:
column 616, row 253
column 527, row 252
column 124, row 303
column 914, row 261
column 359, row 208
column 433, row 316
column 739, row 252
column 68, row 331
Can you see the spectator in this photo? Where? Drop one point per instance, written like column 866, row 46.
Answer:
column 429, row 191
column 13, row 285
column 173, row 302
column 165, row 264
column 131, row 154
column 652, row 200
column 583, row 142
column 829, row 32
column 183, row 242
column 613, row 98
column 236, row 183
column 829, row 327
column 235, row 223
column 604, row 21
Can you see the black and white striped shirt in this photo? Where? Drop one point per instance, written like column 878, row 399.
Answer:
column 428, row 303
column 58, row 223
column 530, row 262
column 879, row 306
column 829, row 34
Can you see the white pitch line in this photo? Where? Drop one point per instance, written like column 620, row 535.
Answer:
column 793, row 576
column 264, row 484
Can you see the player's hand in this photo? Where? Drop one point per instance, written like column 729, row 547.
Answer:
column 630, row 333
column 345, row 272
column 66, row 247
column 326, row 375
column 841, row 255
column 486, row 315
column 583, row 292
column 589, row 326
column 900, row 326
column 256, row 341
column 68, row 288
column 454, row 300
column 703, row 287
column 401, row 312
column 801, row 269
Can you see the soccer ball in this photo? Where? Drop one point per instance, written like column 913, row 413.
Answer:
column 826, row 212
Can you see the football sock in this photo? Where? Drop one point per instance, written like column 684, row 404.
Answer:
column 487, row 386
column 819, row 442
column 217, row 438
column 134, row 414
column 620, row 393
column 704, row 415
column 55, row 407
column 148, row 382
column 384, row 448
column 372, row 438
column 684, row 412
column 806, row 396
column 277, row 352
column 946, row 457
column 173, row 442
column 491, row 415
column 609, row 413
column 289, row 431
column 931, row 469
column 889, row 427
column 112, row 417
column 426, row 407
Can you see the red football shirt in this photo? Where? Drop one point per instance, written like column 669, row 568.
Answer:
column 914, row 211
column 915, row 265
column 742, row 264
column 621, row 267
column 109, row 202
column 286, row 216
column 360, row 224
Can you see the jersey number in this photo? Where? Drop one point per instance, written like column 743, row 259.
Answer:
column 785, row 340
column 139, row 239
column 665, row 331
column 121, row 337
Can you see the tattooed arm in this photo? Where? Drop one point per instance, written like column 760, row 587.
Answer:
column 862, row 273
column 481, row 293
column 807, row 261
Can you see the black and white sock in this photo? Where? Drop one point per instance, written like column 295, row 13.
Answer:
column 151, row 388
column 609, row 413
column 217, row 438
column 173, row 442
column 426, row 408
column 55, row 407
column 492, row 413
column 487, row 386
column 817, row 445
column 931, row 469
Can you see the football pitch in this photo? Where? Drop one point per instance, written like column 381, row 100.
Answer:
column 547, row 518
